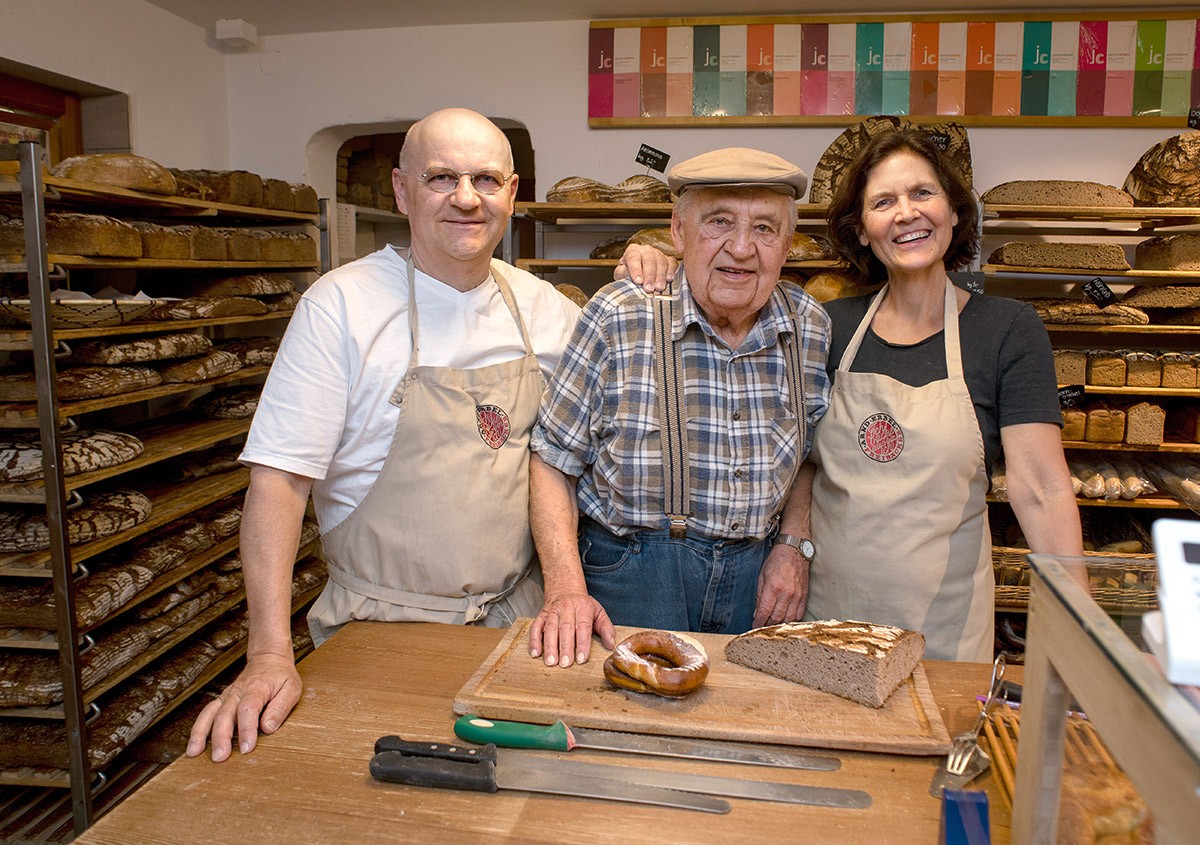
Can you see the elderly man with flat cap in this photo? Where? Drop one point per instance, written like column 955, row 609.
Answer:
column 663, row 485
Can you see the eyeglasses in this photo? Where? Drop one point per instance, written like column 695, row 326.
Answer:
column 444, row 180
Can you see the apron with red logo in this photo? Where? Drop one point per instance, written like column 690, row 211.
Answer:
column 443, row 533
column 899, row 511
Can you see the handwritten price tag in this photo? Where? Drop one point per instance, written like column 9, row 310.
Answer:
column 1069, row 395
column 1099, row 293
column 652, row 158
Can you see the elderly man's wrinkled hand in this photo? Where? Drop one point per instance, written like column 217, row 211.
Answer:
column 646, row 266
column 782, row 587
column 562, row 632
column 260, row 699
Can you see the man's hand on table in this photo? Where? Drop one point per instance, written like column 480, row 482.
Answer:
column 647, row 267
column 782, row 587
column 260, row 699
column 563, row 630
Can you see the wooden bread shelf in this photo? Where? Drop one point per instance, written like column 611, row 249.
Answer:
column 1147, row 217
column 15, row 264
column 553, row 212
column 72, row 193
column 1167, row 446
column 1101, row 390
column 1164, row 502
column 1151, row 276
column 166, row 438
column 24, row 414
column 13, row 338
column 1152, row 330
column 168, row 503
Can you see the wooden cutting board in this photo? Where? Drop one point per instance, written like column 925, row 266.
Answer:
column 734, row 703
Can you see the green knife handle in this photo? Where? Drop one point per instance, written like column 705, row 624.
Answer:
column 398, row 767
column 514, row 734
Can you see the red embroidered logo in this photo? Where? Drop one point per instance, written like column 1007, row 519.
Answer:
column 881, row 438
column 493, row 424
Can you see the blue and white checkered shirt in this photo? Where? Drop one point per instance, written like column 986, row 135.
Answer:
column 599, row 418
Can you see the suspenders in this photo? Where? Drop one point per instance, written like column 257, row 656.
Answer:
column 670, row 376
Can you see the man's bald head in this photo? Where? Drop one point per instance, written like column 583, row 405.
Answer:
column 453, row 127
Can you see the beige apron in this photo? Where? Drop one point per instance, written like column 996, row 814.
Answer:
column 899, row 514
column 443, row 533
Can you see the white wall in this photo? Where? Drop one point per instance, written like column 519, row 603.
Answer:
column 282, row 108
column 171, row 70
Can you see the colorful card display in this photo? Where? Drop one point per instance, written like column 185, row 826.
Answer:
column 1054, row 69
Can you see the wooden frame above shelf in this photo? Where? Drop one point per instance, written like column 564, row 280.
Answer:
column 15, row 337
column 1167, row 446
column 1147, row 275
column 92, row 262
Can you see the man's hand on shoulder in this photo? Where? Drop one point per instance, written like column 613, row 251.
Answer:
column 648, row 267
column 260, row 699
column 562, row 632
column 782, row 587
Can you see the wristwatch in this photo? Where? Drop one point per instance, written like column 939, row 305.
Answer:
column 801, row 544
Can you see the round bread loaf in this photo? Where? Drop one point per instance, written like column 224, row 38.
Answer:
column 660, row 239
column 119, row 170
column 827, row 286
column 579, row 189
column 251, row 284
column 82, row 451
column 140, row 349
column 214, row 364
column 1168, row 174
column 233, row 404
column 641, row 187
column 573, row 293
column 806, row 248
column 609, row 248
column 101, row 515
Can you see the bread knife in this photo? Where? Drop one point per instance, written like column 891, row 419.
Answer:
column 563, row 737
column 447, row 766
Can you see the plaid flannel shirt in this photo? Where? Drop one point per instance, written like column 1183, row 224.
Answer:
column 599, row 418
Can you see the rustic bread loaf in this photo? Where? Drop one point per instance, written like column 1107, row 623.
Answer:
column 1142, row 369
column 1105, row 425
column 1106, row 368
column 573, row 293
column 277, row 194
column 1166, row 174
column 1071, row 366
column 82, row 451
column 120, row 170
column 241, row 244
column 1145, row 423
column 1178, row 369
column 68, row 233
column 232, row 187
column 1085, row 312
column 205, row 243
column 660, row 239
column 806, row 248
column 201, row 464
column 34, row 678
column 1091, row 256
column 830, row 285
column 846, row 147
column 251, row 284
column 77, row 383
column 609, row 248
column 214, row 364
column 579, row 189
column 185, row 611
column 224, row 518
column 140, row 350
column 1074, row 424
column 856, row 660
column 304, row 198
column 171, row 545
column 252, row 351
column 285, row 245
column 227, row 582
column 229, row 630
column 165, row 243
column 641, row 187
column 1170, row 252
column 102, row 514
column 232, row 404
column 280, row 301
column 177, row 594
column 1057, row 192
column 205, row 307
column 187, row 185
column 308, row 574
column 1165, row 296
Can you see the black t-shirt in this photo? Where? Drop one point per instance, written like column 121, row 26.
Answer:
column 1007, row 361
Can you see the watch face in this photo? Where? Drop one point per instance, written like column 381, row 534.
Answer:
column 807, row 549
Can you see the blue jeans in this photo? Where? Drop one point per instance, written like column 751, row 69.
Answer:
column 648, row 580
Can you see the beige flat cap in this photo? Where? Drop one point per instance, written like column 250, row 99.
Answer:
column 738, row 167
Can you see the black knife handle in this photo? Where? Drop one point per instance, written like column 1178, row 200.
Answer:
column 441, row 750
column 398, row 767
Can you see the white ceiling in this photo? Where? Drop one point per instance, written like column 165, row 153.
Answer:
column 286, row 17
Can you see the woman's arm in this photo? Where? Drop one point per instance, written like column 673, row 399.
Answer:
column 1039, row 488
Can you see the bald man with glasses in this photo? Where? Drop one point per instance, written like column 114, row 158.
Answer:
column 402, row 398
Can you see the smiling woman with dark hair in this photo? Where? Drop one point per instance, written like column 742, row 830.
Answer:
column 930, row 383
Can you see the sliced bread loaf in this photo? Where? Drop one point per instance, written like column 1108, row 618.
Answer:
column 856, row 660
column 1064, row 255
column 1057, row 192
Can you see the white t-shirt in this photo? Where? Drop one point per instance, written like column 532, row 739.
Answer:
column 324, row 411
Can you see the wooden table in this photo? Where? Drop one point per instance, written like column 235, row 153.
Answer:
column 309, row 782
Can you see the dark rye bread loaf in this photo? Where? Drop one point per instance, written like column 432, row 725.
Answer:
column 68, row 233
column 641, row 188
column 1060, row 255
column 214, row 364
column 231, row 404
column 304, row 198
column 1169, row 252
column 233, row 187
column 120, row 170
column 856, row 660
column 166, row 243
column 1168, row 174
column 277, row 194
column 846, row 147
column 1057, row 192
column 140, row 350
column 77, row 383
column 1087, row 313
column 82, row 451
column 252, row 351
column 250, row 284
column 97, row 596
column 207, row 307
column 34, row 678
column 101, row 515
